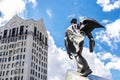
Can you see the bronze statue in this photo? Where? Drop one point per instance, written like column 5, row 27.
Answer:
column 74, row 40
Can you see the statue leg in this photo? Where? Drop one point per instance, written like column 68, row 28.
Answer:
column 82, row 62
column 83, row 66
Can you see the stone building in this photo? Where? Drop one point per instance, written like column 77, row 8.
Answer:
column 23, row 50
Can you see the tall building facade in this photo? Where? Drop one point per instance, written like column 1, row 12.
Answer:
column 23, row 50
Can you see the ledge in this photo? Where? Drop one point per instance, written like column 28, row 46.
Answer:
column 73, row 75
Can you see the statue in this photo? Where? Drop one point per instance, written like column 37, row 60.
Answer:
column 74, row 40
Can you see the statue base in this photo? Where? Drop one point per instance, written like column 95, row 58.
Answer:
column 73, row 75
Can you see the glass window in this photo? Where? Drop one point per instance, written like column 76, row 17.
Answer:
column 40, row 36
column 0, row 60
column 13, row 32
column 7, row 73
column 35, row 31
column 6, row 79
column 46, row 41
column 11, row 78
column 23, row 63
column 21, row 30
column 24, row 49
column 9, row 32
column 8, row 65
column 15, row 78
column 22, row 70
column 17, row 32
column 17, row 57
column 9, row 59
column 5, row 34
column 21, row 77
column 26, row 31
column 11, row 72
column 23, row 56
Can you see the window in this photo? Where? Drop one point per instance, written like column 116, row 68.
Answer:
column 13, row 58
column 22, row 63
column 31, row 78
column 9, row 32
column 13, row 32
column 3, row 73
column 9, row 59
column 0, row 37
column 17, row 64
column 43, row 38
column 45, row 41
column 20, row 37
column 0, row 60
column 0, row 73
column 35, row 31
column 40, row 36
column 25, row 37
column 20, row 56
column 24, row 49
column 17, row 57
column 17, row 32
column 21, row 77
column 12, row 65
column 17, row 71
column 7, row 73
column 6, row 79
column 22, row 70
column 36, row 74
column 21, row 50
column 15, row 78
column 11, row 78
column 39, row 68
column 21, row 30
column 11, row 72
column 5, row 34
column 8, row 65
column 4, row 66
column 37, row 34
column 26, row 31
column 23, row 56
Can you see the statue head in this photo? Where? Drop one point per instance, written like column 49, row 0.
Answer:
column 74, row 20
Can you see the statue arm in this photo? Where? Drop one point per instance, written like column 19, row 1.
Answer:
column 90, row 36
column 91, row 42
column 66, row 45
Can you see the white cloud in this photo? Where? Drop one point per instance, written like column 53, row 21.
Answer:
column 105, row 21
column 111, row 35
column 9, row 8
column 49, row 13
column 82, row 17
column 71, row 16
column 59, row 62
column 114, row 61
column 34, row 2
column 109, row 5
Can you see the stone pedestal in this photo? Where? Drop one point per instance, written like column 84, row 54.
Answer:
column 73, row 75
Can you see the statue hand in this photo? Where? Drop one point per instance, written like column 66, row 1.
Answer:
column 70, row 56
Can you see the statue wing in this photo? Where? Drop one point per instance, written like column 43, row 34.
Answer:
column 88, row 25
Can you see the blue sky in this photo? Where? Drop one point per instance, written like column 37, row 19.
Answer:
column 57, row 15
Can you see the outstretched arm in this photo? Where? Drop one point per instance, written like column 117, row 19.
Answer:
column 91, row 42
column 66, row 45
column 90, row 36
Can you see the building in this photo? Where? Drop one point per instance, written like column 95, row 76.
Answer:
column 23, row 50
